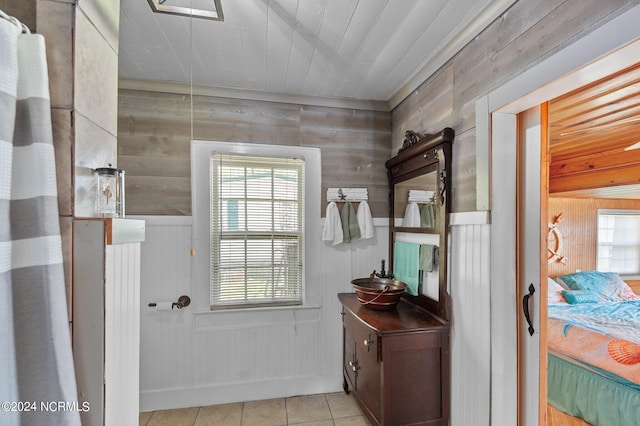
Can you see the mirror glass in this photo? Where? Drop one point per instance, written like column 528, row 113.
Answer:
column 414, row 201
column 415, row 207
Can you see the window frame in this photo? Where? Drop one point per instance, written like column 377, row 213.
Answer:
column 614, row 212
column 201, row 152
column 221, row 232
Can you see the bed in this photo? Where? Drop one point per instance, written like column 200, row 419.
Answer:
column 594, row 348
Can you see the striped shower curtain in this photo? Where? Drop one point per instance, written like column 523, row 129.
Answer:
column 37, row 379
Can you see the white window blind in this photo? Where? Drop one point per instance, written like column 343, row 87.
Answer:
column 619, row 241
column 257, row 211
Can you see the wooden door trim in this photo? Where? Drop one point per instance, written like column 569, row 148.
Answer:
column 544, row 219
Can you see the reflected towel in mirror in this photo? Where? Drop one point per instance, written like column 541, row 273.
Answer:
column 411, row 216
column 419, row 196
column 427, row 216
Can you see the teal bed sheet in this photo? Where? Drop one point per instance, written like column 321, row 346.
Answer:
column 586, row 393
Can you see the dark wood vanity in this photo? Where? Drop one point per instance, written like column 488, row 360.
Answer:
column 396, row 362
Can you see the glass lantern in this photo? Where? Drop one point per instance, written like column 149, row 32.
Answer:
column 109, row 192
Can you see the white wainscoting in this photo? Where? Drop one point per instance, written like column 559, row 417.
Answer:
column 122, row 309
column 190, row 358
column 469, row 277
column 106, row 314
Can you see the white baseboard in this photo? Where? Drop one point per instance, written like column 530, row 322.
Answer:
column 238, row 392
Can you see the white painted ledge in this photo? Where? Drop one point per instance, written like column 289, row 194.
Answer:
column 470, row 218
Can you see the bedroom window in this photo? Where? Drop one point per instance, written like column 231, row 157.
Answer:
column 618, row 247
column 257, row 233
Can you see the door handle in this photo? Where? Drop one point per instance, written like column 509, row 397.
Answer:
column 525, row 307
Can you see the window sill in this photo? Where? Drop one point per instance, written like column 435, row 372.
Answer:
column 227, row 319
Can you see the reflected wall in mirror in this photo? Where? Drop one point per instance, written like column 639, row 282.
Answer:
column 418, row 219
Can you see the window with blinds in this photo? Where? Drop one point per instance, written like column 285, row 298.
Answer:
column 619, row 241
column 257, row 211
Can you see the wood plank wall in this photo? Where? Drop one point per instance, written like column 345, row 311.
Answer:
column 527, row 33
column 154, row 144
column 579, row 229
column 154, row 131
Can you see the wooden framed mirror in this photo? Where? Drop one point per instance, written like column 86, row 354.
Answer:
column 419, row 207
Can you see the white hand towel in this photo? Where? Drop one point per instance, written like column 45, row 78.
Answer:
column 365, row 221
column 411, row 216
column 332, row 225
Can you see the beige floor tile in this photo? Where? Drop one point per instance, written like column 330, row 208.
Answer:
column 269, row 412
column 177, row 417
column 343, row 405
column 220, row 415
column 307, row 408
column 334, row 409
column 144, row 418
column 352, row 421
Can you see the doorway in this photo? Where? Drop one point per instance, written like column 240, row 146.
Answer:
column 608, row 49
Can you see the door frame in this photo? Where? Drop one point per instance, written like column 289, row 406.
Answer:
column 532, row 184
column 609, row 48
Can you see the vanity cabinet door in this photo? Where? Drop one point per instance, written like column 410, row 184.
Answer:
column 413, row 369
column 349, row 360
column 364, row 371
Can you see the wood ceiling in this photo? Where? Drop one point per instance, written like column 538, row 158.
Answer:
column 590, row 131
column 378, row 50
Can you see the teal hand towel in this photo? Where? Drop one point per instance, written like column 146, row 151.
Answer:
column 350, row 227
column 428, row 257
column 406, row 258
column 427, row 216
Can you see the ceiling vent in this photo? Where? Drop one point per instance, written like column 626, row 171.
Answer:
column 204, row 9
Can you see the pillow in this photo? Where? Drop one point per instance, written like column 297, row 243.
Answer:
column 607, row 286
column 554, row 293
column 561, row 283
column 580, row 296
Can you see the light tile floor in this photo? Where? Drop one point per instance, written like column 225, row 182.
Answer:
column 332, row 409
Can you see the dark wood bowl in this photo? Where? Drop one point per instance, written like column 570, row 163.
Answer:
column 381, row 294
